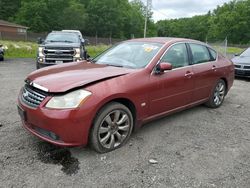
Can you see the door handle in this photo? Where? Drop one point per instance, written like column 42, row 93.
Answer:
column 189, row 74
column 214, row 67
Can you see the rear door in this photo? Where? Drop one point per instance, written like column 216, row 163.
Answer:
column 205, row 70
column 172, row 89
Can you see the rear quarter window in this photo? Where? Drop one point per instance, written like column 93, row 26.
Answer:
column 213, row 54
column 200, row 53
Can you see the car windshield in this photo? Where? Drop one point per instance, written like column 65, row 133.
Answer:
column 246, row 53
column 62, row 37
column 129, row 54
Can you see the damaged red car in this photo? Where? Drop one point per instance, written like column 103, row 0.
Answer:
column 101, row 101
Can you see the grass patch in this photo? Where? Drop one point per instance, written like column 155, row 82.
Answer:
column 230, row 50
column 18, row 49
column 234, row 50
column 95, row 50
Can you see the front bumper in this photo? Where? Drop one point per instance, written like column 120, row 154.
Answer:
column 43, row 61
column 60, row 127
column 242, row 72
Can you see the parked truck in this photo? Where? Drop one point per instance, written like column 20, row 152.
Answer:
column 61, row 47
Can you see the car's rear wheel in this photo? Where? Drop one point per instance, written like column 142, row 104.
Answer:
column 218, row 94
column 112, row 127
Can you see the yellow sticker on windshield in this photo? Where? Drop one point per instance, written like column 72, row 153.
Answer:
column 149, row 48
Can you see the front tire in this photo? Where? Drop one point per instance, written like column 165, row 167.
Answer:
column 38, row 65
column 218, row 94
column 112, row 127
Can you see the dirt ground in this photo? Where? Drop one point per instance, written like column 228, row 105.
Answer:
column 199, row 147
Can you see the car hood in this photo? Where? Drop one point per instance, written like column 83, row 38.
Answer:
column 61, row 44
column 61, row 78
column 241, row 60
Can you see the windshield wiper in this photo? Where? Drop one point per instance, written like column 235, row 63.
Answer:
column 91, row 60
column 54, row 41
column 67, row 41
column 114, row 65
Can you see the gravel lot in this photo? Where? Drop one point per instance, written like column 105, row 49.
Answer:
column 199, row 147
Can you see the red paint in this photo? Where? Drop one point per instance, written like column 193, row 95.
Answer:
column 153, row 95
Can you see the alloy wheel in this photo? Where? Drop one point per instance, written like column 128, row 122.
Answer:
column 219, row 93
column 114, row 129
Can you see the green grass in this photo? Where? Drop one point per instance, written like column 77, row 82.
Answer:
column 95, row 50
column 234, row 50
column 230, row 50
column 29, row 49
column 19, row 49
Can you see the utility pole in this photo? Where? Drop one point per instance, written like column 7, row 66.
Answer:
column 148, row 8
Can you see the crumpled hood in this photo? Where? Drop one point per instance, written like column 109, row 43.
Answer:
column 241, row 60
column 61, row 78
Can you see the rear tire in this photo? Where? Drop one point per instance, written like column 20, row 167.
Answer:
column 217, row 96
column 112, row 127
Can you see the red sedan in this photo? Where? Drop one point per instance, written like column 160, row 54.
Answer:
column 103, row 100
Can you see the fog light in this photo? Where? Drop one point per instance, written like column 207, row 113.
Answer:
column 40, row 59
column 78, row 59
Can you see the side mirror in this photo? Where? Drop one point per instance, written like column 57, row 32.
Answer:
column 163, row 66
column 40, row 40
column 86, row 41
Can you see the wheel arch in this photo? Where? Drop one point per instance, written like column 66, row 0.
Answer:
column 226, row 82
column 122, row 100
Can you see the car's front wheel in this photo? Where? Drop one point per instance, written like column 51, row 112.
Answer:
column 37, row 65
column 112, row 127
column 1, row 58
column 218, row 94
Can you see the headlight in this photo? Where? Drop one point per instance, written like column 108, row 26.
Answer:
column 40, row 52
column 70, row 100
column 77, row 52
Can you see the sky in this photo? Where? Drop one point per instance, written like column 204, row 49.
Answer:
column 168, row 9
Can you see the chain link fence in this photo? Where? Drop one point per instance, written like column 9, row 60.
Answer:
column 33, row 37
column 227, row 49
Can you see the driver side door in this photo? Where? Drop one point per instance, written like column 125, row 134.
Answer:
column 172, row 90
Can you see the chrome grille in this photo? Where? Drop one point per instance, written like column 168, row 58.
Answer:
column 64, row 54
column 237, row 66
column 247, row 67
column 31, row 97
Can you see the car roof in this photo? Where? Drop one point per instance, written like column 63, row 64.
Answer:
column 64, row 32
column 165, row 40
column 73, row 31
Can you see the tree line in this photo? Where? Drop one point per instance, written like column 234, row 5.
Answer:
column 105, row 18
column 231, row 21
column 125, row 19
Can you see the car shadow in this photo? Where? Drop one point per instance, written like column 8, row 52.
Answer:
column 246, row 79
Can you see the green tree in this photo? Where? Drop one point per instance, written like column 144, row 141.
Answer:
column 105, row 18
column 47, row 15
column 9, row 8
column 34, row 14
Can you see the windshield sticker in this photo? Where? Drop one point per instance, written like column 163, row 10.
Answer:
column 149, row 48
